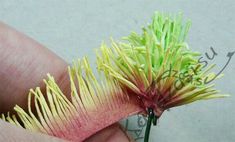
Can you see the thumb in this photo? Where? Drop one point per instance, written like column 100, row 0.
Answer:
column 11, row 133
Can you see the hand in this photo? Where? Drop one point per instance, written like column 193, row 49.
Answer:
column 24, row 63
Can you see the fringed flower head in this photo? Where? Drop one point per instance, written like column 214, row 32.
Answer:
column 158, row 67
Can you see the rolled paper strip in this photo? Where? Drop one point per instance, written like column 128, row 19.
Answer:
column 157, row 66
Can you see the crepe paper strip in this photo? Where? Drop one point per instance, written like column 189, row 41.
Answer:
column 138, row 79
column 93, row 106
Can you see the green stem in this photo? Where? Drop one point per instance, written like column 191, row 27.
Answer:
column 149, row 123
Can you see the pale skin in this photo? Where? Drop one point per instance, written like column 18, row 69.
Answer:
column 24, row 63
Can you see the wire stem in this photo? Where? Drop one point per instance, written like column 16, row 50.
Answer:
column 149, row 123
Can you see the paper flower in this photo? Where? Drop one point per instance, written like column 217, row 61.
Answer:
column 158, row 67
column 147, row 74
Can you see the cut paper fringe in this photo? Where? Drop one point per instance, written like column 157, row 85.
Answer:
column 135, row 80
column 93, row 106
